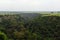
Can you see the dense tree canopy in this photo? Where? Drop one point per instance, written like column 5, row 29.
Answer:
column 39, row 28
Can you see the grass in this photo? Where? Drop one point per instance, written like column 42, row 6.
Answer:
column 50, row 14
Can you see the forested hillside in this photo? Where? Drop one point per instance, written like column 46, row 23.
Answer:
column 16, row 27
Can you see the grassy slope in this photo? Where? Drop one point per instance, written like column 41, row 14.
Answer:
column 50, row 14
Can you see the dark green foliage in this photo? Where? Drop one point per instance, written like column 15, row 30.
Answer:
column 48, row 26
column 39, row 28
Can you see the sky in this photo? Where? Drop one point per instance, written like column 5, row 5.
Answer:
column 29, row 5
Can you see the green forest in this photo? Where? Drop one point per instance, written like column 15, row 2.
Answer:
column 15, row 27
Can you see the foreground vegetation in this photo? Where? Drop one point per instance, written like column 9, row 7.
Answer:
column 15, row 27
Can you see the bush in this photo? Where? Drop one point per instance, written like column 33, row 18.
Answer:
column 3, row 36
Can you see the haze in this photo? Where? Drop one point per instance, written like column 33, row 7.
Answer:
column 29, row 5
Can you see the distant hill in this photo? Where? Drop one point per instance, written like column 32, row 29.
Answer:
column 25, row 15
column 29, row 15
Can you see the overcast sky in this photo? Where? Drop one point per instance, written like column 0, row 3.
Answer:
column 29, row 5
